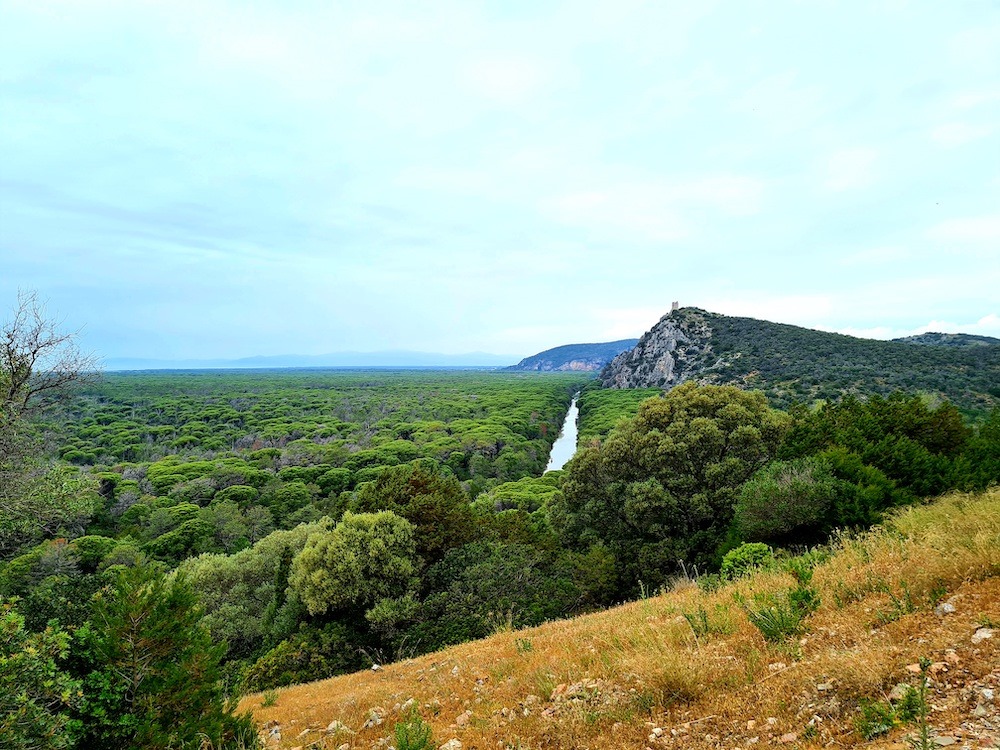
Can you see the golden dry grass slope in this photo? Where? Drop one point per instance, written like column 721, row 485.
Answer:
column 642, row 675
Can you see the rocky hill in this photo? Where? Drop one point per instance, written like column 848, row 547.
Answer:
column 791, row 363
column 950, row 339
column 574, row 357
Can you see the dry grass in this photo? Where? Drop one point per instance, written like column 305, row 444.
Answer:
column 611, row 678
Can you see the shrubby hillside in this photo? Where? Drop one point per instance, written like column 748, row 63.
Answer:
column 789, row 363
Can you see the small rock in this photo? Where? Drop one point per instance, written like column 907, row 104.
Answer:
column 751, row 724
column 657, row 731
column 771, row 721
column 376, row 667
column 336, row 726
column 988, row 694
column 824, row 687
column 302, row 734
column 786, row 738
column 980, row 711
column 981, row 635
column 945, row 741
column 407, row 705
column 463, row 719
column 915, row 668
column 452, row 744
column 345, row 746
column 899, row 692
column 944, row 608
column 777, row 666
column 454, row 672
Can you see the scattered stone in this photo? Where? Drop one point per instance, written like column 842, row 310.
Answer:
column 454, row 672
column 945, row 741
column 988, row 694
column 750, row 725
column 771, row 721
column 944, row 608
column 914, row 668
column 375, row 718
column 407, row 705
column 786, row 738
column 824, row 687
column 981, row 635
column 336, row 726
column 899, row 691
column 980, row 711
column 376, row 667
column 302, row 734
column 777, row 666
column 452, row 744
column 345, row 746
column 463, row 719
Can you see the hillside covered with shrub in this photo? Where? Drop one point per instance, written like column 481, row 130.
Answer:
column 789, row 363
column 880, row 638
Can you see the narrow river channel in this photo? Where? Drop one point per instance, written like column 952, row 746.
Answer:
column 565, row 445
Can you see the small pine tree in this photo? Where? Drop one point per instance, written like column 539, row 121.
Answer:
column 152, row 678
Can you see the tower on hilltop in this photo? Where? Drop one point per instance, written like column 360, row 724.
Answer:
column 675, row 306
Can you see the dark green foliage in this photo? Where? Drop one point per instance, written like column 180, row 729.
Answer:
column 429, row 498
column 313, row 653
column 787, row 500
column 36, row 693
column 151, row 669
column 792, row 364
column 483, row 586
column 661, row 489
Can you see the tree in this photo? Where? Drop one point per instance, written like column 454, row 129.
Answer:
column 35, row 693
column 660, row 490
column 38, row 363
column 365, row 558
column 153, row 677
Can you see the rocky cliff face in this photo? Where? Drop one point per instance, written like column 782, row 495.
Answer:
column 677, row 348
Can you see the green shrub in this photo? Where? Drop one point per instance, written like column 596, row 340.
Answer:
column 746, row 558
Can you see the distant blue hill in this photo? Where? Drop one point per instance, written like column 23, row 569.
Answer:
column 336, row 359
column 575, row 357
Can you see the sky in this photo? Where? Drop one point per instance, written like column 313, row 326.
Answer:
column 203, row 179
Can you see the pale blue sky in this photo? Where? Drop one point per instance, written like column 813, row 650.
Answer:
column 211, row 179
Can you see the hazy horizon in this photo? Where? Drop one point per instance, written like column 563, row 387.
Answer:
column 219, row 180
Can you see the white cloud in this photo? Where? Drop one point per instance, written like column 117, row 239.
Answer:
column 657, row 211
column 984, row 229
column 850, row 168
column 988, row 325
column 951, row 134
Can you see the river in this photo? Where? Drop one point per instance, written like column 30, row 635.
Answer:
column 565, row 445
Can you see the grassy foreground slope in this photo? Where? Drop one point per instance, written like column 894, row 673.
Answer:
column 644, row 675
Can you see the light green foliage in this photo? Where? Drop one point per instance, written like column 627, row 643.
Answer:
column 745, row 559
column 662, row 487
column 244, row 595
column 36, row 694
column 413, row 733
column 366, row 557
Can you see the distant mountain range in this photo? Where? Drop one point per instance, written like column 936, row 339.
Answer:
column 790, row 363
column 337, row 359
column 574, row 357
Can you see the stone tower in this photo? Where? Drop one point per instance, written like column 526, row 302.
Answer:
column 675, row 306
